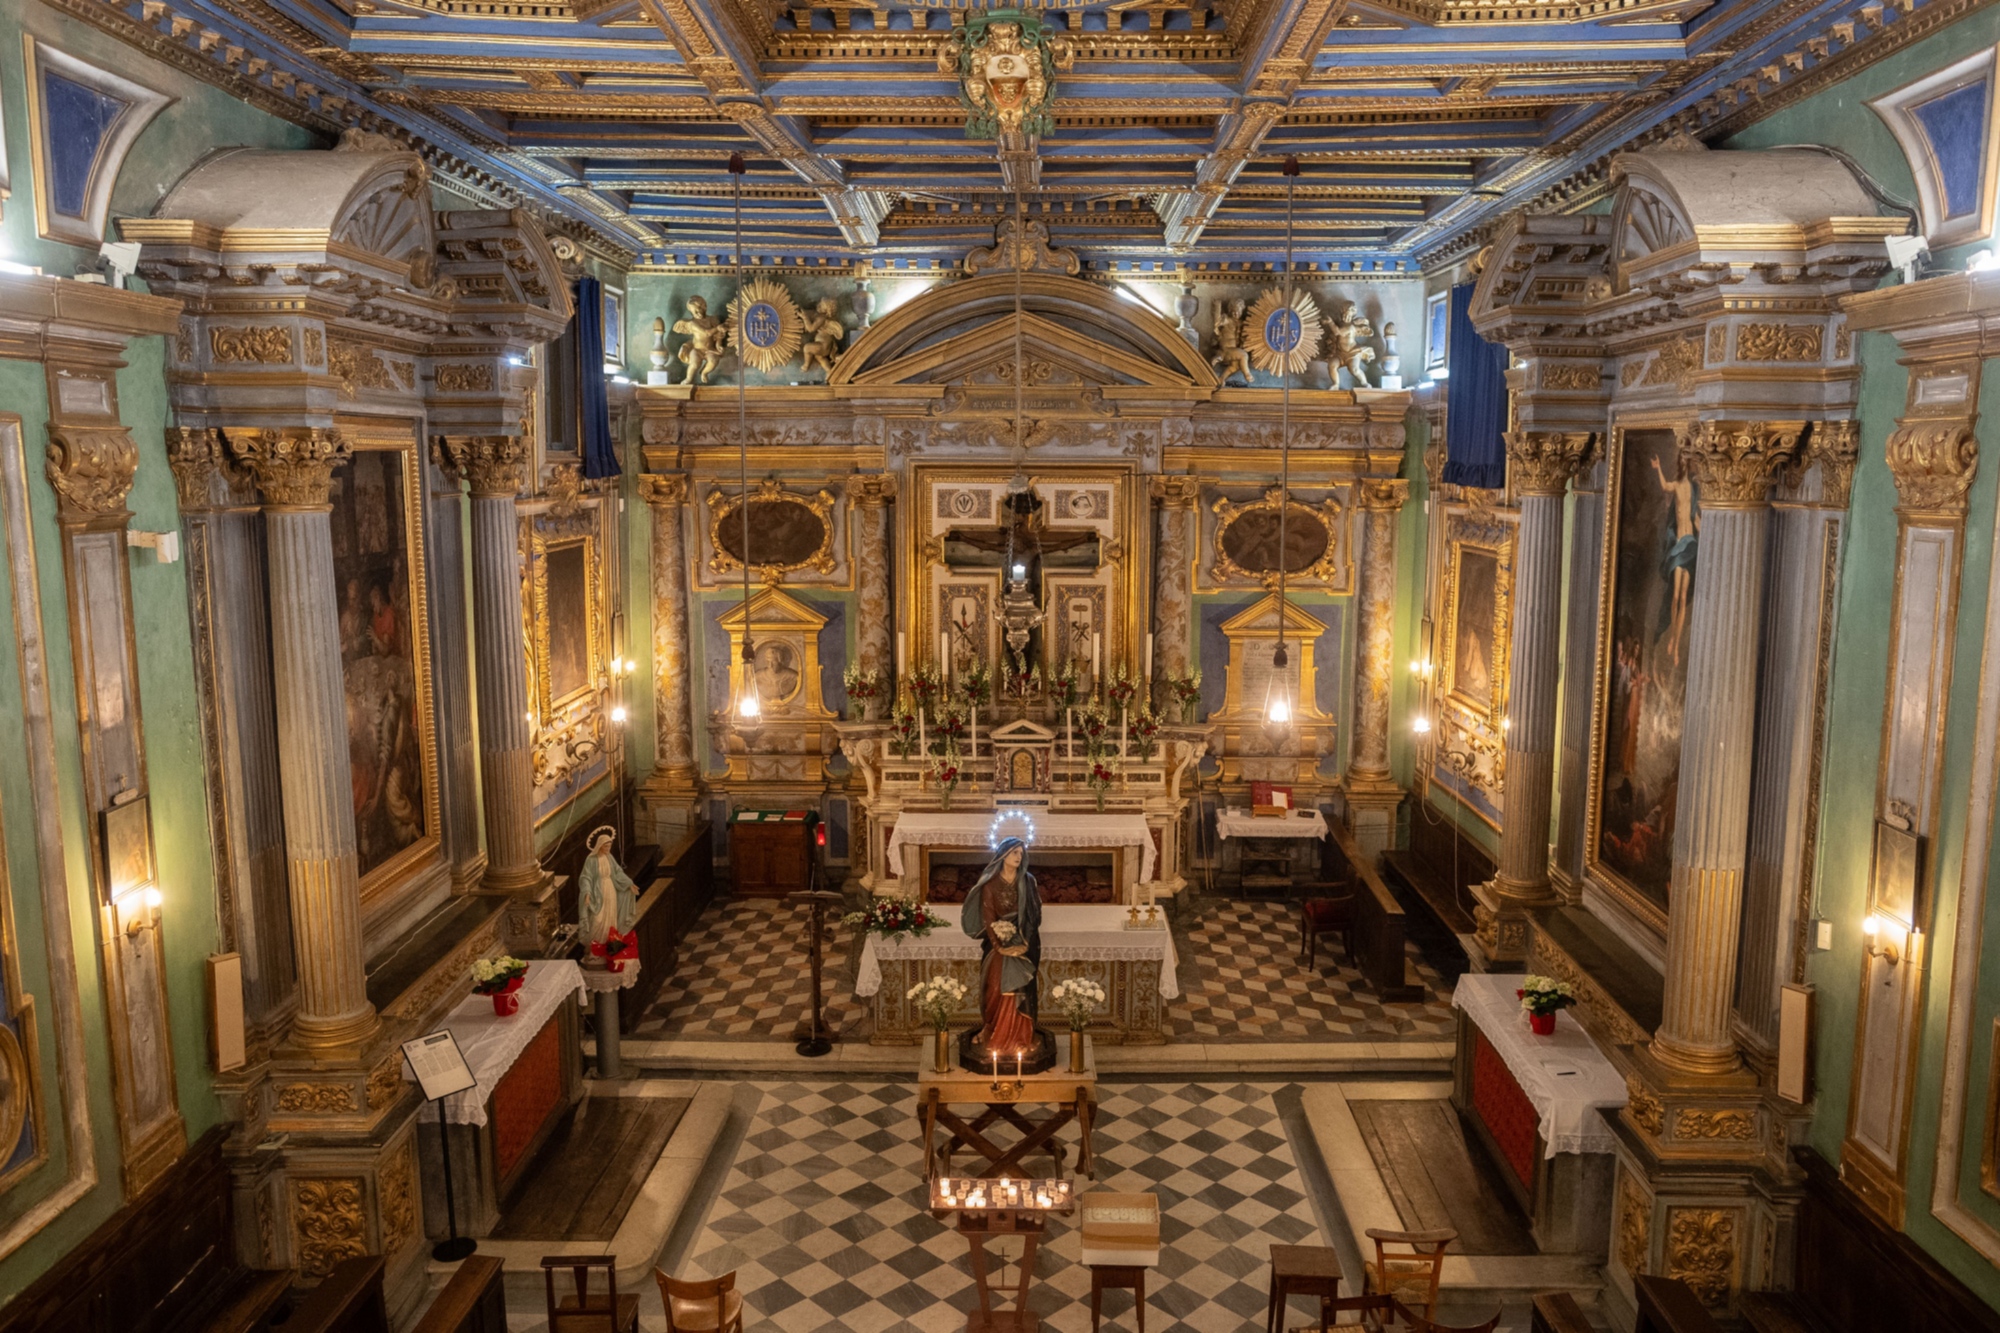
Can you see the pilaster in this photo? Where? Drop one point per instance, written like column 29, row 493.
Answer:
column 1173, row 593
column 673, row 790
column 871, row 497
column 1372, row 794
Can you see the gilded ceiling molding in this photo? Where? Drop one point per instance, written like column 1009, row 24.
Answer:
column 91, row 469
column 1543, row 462
column 492, row 465
column 1735, row 462
column 294, row 464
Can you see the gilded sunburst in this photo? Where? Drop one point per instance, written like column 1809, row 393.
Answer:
column 764, row 325
column 1280, row 337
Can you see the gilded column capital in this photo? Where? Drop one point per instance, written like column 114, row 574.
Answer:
column 293, row 465
column 1543, row 462
column 873, row 490
column 1933, row 462
column 1836, row 447
column 664, row 490
column 205, row 476
column 1735, row 462
column 1383, row 492
column 491, row 464
column 91, row 469
column 1177, row 490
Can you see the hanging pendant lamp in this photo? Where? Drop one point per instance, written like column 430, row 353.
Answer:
column 748, row 706
column 1289, row 332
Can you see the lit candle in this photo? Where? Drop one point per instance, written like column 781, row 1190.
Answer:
column 1017, row 1065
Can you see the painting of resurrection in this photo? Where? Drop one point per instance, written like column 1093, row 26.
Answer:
column 378, row 652
column 1655, row 535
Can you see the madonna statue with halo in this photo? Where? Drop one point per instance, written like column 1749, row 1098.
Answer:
column 1003, row 911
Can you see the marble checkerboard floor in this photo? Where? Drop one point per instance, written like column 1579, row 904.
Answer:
column 821, row 1216
column 744, row 976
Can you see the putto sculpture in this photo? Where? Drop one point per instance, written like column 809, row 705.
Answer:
column 1231, row 357
column 705, row 336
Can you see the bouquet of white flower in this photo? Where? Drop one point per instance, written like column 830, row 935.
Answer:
column 1003, row 931
column 937, row 998
column 1077, row 998
column 490, row 976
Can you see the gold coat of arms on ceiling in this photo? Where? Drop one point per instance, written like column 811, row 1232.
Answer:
column 1006, row 63
column 764, row 325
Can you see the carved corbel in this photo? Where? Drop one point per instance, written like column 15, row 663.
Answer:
column 1177, row 491
column 873, row 490
column 664, row 490
column 91, row 469
column 1933, row 462
column 1387, row 493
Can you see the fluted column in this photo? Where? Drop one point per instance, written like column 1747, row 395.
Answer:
column 1732, row 463
column 1173, row 597
column 1540, row 465
column 871, row 497
column 492, row 467
column 1372, row 794
column 294, row 469
column 674, row 735
column 1586, row 548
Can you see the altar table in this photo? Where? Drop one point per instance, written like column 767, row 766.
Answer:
column 1536, row 1104
column 1135, row 967
column 530, row 1071
column 974, row 829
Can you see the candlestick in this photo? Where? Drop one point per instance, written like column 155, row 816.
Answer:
column 973, row 743
column 923, row 745
column 902, row 655
column 1121, row 731
column 1149, row 657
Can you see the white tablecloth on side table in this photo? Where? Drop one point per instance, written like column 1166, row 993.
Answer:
column 974, row 829
column 1565, row 1076
column 1090, row 932
column 491, row 1043
column 1312, row 824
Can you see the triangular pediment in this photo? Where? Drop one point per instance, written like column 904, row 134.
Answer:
column 1050, row 355
column 1261, row 620
column 772, row 609
column 1022, row 732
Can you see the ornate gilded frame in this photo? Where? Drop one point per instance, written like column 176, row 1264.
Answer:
column 401, row 438
column 1332, row 569
column 569, row 729
column 1471, row 748
column 722, row 505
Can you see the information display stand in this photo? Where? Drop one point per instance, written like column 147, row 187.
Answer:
column 440, row 1070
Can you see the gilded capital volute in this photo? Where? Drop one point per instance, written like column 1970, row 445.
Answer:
column 293, row 465
column 91, row 469
column 205, row 476
column 1735, row 462
column 1933, row 462
column 491, row 464
column 1543, row 462
column 1177, row 490
column 873, row 490
column 664, row 490
column 1836, row 447
column 1383, row 493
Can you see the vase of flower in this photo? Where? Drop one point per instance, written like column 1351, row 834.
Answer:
column 1542, row 998
column 937, row 998
column 941, row 1056
column 500, row 978
column 1078, row 999
column 1075, row 1051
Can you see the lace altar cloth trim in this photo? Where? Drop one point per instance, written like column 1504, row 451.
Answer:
column 1312, row 825
column 973, row 828
column 597, row 979
column 1069, row 934
column 491, row 1044
column 1566, row 1077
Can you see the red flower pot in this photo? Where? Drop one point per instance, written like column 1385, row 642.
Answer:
column 506, row 1002
column 1542, row 1025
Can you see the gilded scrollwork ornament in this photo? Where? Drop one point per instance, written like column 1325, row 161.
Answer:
column 1543, row 462
column 1006, row 62
column 91, row 469
column 1934, row 462
column 491, row 465
column 1701, row 1250
column 328, row 1224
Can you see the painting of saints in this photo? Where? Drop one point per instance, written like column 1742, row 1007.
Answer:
column 378, row 654
column 1657, row 522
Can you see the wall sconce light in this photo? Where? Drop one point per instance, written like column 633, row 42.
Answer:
column 137, row 909
column 618, row 715
column 1887, row 950
column 1421, row 725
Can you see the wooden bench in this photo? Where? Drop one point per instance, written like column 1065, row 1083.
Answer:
column 1379, row 928
column 474, row 1301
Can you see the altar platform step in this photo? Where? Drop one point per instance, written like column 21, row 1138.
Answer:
column 592, row 1193
column 680, row 1059
column 1494, row 1263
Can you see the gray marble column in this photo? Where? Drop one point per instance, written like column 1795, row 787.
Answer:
column 666, row 498
column 1540, row 465
column 1372, row 794
column 492, row 467
column 1173, row 597
column 294, row 469
column 1580, row 630
column 870, row 498
column 1732, row 464
column 458, row 756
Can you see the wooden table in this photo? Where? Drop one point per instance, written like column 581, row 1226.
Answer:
column 1068, row 1097
column 978, row 1225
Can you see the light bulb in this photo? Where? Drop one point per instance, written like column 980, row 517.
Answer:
column 153, row 899
column 618, row 715
column 748, row 706
column 1280, row 710
column 1870, row 927
column 1421, row 725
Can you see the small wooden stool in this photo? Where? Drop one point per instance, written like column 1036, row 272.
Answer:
column 1303, row 1270
column 1121, row 1240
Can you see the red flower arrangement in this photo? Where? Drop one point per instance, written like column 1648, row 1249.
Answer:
column 615, row 948
column 893, row 918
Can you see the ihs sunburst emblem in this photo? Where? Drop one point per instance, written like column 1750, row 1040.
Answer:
column 764, row 325
column 1283, row 339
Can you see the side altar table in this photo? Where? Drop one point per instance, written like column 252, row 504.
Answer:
column 1536, row 1105
column 530, row 1071
column 1135, row 967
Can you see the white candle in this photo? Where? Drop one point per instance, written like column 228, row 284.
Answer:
column 902, row 655
column 1069, row 732
column 1096, row 643
column 1121, row 731
column 1149, row 657
column 944, row 656
column 923, row 746
column 973, row 744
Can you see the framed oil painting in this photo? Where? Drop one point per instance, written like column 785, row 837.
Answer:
column 614, row 330
column 128, row 847
column 385, row 656
column 1437, row 331
column 1475, row 598
column 1652, row 537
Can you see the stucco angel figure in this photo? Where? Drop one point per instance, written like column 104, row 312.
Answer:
column 1004, row 912
column 607, row 901
column 823, row 335
column 1231, row 356
column 1350, row 330
column 705, row 338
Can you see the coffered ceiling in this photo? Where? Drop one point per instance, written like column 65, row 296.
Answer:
column 1417, row 123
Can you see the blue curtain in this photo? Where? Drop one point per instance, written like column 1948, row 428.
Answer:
column 593, row 411
column 1475, row 402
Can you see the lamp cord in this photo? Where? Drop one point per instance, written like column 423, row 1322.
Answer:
column 742, row 419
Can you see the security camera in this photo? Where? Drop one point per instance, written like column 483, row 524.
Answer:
column 1904, row 251
column 123, row 257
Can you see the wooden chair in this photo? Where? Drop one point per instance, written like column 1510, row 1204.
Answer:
column 582, row 1312
column 1303, row 1270
column 1408, row 1265
column 1323, row 916
column 711, row 1306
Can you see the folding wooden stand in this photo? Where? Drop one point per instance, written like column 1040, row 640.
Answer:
column 1068, row 1096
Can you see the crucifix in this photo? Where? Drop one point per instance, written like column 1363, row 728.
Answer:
column 1021, row 546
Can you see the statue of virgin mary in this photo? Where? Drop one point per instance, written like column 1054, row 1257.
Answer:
column 1004, row 912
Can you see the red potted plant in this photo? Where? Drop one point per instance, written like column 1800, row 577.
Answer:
column 1543, row 998
column 615, row 948
column 500, row 978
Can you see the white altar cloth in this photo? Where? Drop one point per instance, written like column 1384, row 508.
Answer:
column 1307, row 824
column 1092, row 932
column 972, row 829
column 1565, row 1076
column 491, row 1043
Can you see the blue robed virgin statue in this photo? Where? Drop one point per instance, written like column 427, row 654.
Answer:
column 1004, row 912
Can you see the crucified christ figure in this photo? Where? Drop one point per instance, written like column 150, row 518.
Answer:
column 1679, row 566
